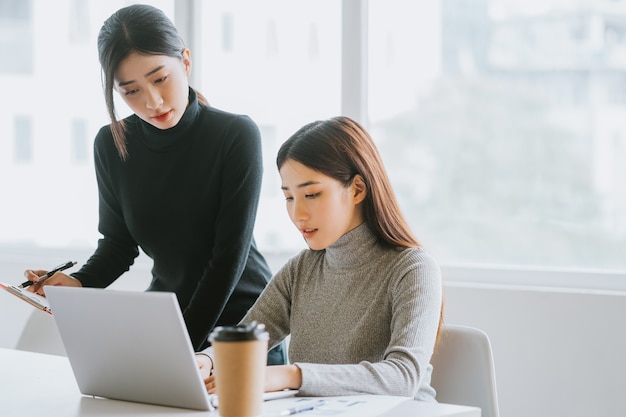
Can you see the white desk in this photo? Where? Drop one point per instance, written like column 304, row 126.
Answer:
column 36, row 385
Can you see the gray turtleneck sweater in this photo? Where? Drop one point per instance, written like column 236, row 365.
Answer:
column 363, row 318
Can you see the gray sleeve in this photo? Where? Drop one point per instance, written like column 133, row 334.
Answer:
column 273, row 307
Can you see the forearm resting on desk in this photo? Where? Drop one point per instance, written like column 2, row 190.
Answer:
column 277, row 377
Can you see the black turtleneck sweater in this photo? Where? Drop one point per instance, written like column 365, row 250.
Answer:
column 188, row 197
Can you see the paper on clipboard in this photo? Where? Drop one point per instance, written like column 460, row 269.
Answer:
column 36, row 300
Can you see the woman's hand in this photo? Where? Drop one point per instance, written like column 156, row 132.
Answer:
column 279, row 377
column 206, row 369
column 57, row 279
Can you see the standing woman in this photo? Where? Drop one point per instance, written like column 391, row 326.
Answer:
column 177, row 178
column 363, row 304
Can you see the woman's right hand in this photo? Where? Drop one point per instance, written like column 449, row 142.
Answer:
column 59, row 279
column 205, row 363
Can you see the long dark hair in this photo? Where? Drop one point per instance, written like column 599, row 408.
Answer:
column 137, row 28
column 341, row 148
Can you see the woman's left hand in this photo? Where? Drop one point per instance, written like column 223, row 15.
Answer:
column 279, row 377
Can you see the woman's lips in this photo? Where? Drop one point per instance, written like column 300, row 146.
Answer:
column 162, row 117
column 308, row 233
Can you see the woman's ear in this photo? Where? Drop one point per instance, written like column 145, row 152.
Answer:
column 187, row 61
column 359, row 188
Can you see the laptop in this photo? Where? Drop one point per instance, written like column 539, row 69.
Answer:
column 131, row 346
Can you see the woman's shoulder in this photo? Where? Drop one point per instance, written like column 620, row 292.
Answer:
column 237, row 130
column 104, row 141
column 416, row 259
column 305, row 257
column 418, row 253
column 304, row 260
column 105, row 134
column 226, row 118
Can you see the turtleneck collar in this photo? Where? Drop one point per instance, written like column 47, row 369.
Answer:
column 166, row 139
column 351, row 249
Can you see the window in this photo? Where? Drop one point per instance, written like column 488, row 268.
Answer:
column 49, row 123
column 279, row 62
column 502, row 138
column 23, row 139
column 501, row 121
column 16, row 36
column 79, row 141
column 79, row 22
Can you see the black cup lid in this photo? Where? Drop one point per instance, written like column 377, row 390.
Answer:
column 249, row 331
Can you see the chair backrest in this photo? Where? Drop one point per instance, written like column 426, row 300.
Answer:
column 463, row 369
column 40, row 334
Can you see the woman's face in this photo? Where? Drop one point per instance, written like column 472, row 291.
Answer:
column 320, row 207
column 155, row 87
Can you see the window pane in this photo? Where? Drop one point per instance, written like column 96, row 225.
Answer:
column 23, row 139
column 278, row 61
column 504, row 122
column 16, row 36
column 79, row 141
column 51, row 110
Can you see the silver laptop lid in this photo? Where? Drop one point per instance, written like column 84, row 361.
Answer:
column 128, row 345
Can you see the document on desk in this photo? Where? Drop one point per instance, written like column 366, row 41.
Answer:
column 344, row 406
column 36, row 300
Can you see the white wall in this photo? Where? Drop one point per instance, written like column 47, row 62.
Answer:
column 558, row 352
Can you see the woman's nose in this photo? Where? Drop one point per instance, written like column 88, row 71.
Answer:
column 298, row 212
column 153, row 100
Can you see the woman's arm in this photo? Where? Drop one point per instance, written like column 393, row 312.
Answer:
column 272, row 309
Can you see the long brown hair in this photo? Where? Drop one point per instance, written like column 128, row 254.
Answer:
column 341, row 148
column 136, row 28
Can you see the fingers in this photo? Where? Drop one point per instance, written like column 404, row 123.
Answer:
column 205, row 363
column 33, row 274
column 59, row 278
column 210, row 384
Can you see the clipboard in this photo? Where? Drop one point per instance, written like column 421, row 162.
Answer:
column 36, row 300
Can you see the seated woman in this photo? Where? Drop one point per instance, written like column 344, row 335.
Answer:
column 363, row 303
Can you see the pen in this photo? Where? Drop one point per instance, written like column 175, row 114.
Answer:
column 48, row 274
column 300, row 409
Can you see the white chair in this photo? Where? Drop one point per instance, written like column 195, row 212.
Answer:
column 463, row 369
column 40, row 335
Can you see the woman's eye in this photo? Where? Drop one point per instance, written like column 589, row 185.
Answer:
column 160, row 80
column 288, row 198
column 130, row 92
column 311, row 195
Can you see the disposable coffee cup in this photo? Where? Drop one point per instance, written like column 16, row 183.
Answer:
column 240, row 354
